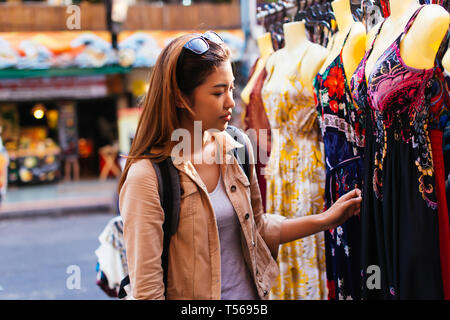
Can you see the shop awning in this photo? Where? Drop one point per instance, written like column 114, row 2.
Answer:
column 77, row 53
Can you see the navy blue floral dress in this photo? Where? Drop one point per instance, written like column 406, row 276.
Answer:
column 342, row 126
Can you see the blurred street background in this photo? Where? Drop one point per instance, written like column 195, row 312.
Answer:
column 36, row 255
column 72, row 75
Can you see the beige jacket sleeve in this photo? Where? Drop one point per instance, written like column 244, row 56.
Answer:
column 268, row 225
column 143, row 218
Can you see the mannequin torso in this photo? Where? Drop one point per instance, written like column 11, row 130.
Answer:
column 354, row 48
column 419, row 46
column 285, row 61
column 266, row 49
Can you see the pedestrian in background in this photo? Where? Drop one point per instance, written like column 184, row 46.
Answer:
column 225, row 246
column 4, row 163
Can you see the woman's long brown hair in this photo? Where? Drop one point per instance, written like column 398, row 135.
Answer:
column 166, row 96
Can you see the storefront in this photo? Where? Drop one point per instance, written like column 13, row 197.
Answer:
column 69, row 102
column 48, row 121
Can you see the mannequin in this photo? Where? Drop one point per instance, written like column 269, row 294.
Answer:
column 295, row 172
column 286, row 59
column 446, row 61
column 419, row 46
column 398, row 71
column 343, row 140
column 354, row 49
column 266, row 49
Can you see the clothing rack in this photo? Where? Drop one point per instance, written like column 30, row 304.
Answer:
column 317, row 15
column 275, row 8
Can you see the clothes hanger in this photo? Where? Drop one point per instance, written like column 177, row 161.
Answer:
column 300, row 15
column 358, row 15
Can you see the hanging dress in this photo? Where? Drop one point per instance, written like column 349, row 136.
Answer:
column 342, row 126
column 256, row 118
column 399, row 216
column 439, row 106
column 295, row 184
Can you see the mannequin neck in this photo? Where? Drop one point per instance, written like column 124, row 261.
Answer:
column 265, row 45
column 294, row 35
column 398, row 8
column 343, row 14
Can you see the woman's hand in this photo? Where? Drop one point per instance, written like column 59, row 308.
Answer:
column 344, row 208
column 347, row 206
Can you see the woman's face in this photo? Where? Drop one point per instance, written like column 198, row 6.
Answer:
column 213, row 100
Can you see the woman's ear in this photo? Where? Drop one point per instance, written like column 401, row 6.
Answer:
column 184, row 103
column 189, row 101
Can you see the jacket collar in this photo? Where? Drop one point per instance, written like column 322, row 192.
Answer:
column 225, row 142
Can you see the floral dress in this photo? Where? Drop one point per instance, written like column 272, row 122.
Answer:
column 295, row 178
column 399, row 216
column 255, row 118
column 342, row 125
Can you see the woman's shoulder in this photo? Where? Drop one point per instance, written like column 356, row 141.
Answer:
column 141, row 170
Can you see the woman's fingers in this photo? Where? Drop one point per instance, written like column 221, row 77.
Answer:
column 352, row 206
column 355, row 193
column 346, row 207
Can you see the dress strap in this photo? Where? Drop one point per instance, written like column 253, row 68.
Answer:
column 333, row 40
column 303, row 56
column 346, row 37
column 375, row 38
column 412, row 19
column 305, row 51
column 345, row 40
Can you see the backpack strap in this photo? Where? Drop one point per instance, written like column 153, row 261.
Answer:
column 170, row 195
column 170, row 198
column 167, row 204
column 241, row 154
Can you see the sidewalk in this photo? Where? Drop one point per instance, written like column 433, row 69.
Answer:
column 59, row 198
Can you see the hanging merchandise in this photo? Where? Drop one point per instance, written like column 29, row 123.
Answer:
column 256, row 123
column 295, row 173
column 382, row 115
column 400, row 221
column 439, row 112
column 385, row 7
column 371, row 14
column 342, row 126
column 445, row 66
column 319, row 20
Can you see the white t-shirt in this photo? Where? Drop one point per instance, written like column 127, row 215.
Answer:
column 237, row 282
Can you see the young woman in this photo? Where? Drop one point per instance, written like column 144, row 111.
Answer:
column 225, row 246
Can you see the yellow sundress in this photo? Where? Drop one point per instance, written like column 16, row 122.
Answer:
column 295, row 178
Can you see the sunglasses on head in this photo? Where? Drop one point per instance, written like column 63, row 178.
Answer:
column 199, row 45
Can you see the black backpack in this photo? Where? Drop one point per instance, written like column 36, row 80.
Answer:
column 170, row 195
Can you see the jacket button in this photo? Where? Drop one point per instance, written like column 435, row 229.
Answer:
column 247, row 216
column 265, row 293
column 233, row 188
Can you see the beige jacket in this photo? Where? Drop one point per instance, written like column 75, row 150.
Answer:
column 194, row 252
